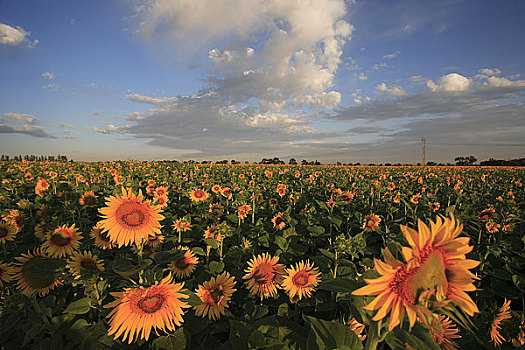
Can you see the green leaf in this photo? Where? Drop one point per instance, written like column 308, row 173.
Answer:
column 330, row 335
column 316, row 230
column 216, row 267
column 198, row 251
column 164, row 257
column 125, row 268
column 282, row 243
column 212, row 242
column 339, row 285
column 239, row 334
column 419, row 338
column 233, row 218
column 256, row 340
column 35, row 330
column 78, row 307
column 180, row 339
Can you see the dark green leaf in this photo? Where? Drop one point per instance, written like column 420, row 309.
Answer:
column 78, row 307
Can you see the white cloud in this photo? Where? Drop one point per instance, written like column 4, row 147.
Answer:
column 68, row 126
column 450, row 82
column 12, row 36
column 379, row 66
column 394, row 90
column 52, row 86
column 29, row 127
column 28, row 118
column 392, row 55
column 362, row 76
column 504, row 82
column 48, row 75
column 270, row 76
column 150, row 100
column 108, row 129
column 490, row 72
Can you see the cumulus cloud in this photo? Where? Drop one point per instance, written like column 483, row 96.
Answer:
column 394, row 90
column 29, row 126
column 150, row 100
column 450, row 82
column 271, row 70
column 28, row 129
column 28, row 118
column 107, row 130
column 489, row 115
column 15, row 36
column 48, row 75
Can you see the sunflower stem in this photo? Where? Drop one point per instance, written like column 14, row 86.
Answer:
column 39, row 311
column 372, row 337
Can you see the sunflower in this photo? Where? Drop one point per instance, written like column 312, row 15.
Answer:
column 199, row 196
column 215, row 295
column 101, row 237
column 495, row 326
column 437, row 271
column 186, row 264
column 82, row 263
column 62, row 241
column 161, row 201
column 129, row 219
column 216, row 189
column 357, row 328
column 41, row 231
column 444, row 332
column 33, row 274
column 264, row 275
column 371, row 223
column 278, row 222
column 88, row 199
column 6, row 273
column 161, row 192
column 301, row 280
column 7, row 232
column 136, row 311
column 15, row 219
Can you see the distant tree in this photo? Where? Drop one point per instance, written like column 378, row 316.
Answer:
column 461, row 161
column 292, row 161
column 304, row 162
column 431, row 163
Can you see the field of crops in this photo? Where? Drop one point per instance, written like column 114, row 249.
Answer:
column 172, row 255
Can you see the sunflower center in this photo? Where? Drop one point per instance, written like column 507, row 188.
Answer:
column 300, row 279
column 89, row 264
column 104, row 236
column 182, row 263
column 36, row 275
column 90, row 200
column 3, row 232
column 131, row 214
column 429, row 279
column 264, row 274
column 198, row 194
column 61, row 238
column 151, row 303
column 214, row 296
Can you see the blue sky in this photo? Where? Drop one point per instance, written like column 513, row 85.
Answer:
column 333, row 80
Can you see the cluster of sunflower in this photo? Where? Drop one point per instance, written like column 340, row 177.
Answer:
column 420, row 283
column 128, row 219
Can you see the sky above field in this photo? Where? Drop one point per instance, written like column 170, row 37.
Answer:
column 349, row 81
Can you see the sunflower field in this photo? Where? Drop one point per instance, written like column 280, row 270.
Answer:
column 164, row 255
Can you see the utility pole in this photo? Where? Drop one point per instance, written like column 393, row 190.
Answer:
column 423, row 144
